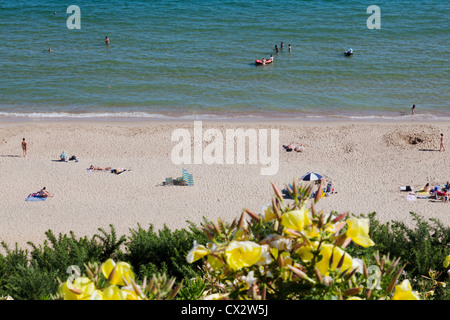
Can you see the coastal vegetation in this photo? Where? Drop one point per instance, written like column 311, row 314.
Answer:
column 291, row 251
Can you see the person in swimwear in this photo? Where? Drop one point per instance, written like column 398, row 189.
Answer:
column 119, row 171
column 106, row 40
column 442, row 148
column 44, row 193
column 292, row 146
column 99, row 169
column 24, row 147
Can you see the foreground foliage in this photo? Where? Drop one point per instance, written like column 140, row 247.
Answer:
column 290, row 251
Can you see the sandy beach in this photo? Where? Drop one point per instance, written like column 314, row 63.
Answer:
column 368, row 162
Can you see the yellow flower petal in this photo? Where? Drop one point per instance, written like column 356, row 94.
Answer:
column 358, row 231
column 240, row 254
column 404, row 291
column 296, row 219
column 80, row 289
column 198, row 251
column 326, row 251
column 123, row 270
column 113, row 292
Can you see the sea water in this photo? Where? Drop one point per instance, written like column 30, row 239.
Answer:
column 194, row 59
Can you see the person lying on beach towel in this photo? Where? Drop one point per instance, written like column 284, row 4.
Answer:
column 40, row 195
column 119, row 171
column 295, row 147
column 116, row 171
column 94, row 168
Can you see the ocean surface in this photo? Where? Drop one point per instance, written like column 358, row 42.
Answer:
column 194, row 59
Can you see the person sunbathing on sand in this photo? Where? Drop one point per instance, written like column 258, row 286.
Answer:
column 119, row 171
column 295, row 147
column 44, row 193
column 99, row 168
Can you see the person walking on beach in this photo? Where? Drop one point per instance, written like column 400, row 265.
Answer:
column 24, row 147
column 441, row 147
column 412, row 109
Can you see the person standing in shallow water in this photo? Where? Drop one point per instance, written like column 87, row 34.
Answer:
column 413, row 109
column 24, row 147
column 106, row 40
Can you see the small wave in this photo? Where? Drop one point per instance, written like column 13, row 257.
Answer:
column 236, row 116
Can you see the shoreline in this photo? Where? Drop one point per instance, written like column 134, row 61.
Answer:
column 368, row 162
column 231, row 116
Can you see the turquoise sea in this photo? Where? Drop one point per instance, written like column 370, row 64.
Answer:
column 195, row 60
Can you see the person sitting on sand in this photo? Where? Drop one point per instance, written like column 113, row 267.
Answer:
column 64, row 157
column 44, row 193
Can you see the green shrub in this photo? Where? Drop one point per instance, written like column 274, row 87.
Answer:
column 423, row 248
column 164, row 251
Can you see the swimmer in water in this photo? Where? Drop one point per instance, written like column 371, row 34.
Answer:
column 106, row 40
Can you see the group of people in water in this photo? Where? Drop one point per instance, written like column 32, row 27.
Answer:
column 49, row 50
column 266, row 61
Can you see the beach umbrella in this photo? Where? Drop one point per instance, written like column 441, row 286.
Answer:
column 311, row 176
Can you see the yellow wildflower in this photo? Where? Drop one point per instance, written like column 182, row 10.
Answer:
column 268, row 214
column 113, row 292
column 296, row 219
column 404, row 291
column 358, row 231
column 80, row 289
column 326, row 251
column 198, row 251
column 240, row 254
column 122, row 270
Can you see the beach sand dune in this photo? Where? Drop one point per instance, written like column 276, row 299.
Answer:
column 367, row 162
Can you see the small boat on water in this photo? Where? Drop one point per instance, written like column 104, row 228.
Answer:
column 349, row 52
column 260, row 62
